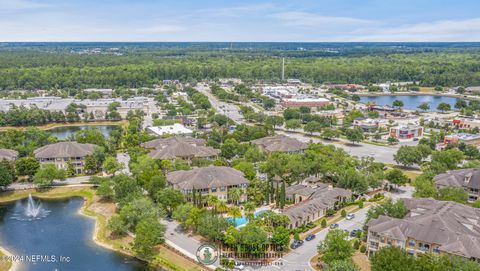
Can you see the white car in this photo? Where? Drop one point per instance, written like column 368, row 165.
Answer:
column 350, row 216
column 239, row 266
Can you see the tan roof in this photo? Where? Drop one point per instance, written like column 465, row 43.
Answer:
column 163, row 142
column 206, row 177
column 8, row 154
column 452, row 226
column 281, row 143
column 64, row 150
column 184, row 151
column 302, row 210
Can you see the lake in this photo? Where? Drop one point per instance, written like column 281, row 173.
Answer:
column 62, row 231
column 410, row 102
column 63, row 132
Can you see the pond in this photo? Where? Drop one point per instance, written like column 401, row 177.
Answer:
column 55, row 227
column 410, row 102
column 63, row 132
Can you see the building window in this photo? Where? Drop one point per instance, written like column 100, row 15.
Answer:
column 411, row 243
column 214, row 189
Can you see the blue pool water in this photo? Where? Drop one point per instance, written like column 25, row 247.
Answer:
column 243, row 220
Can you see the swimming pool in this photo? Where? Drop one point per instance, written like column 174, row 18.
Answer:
column 240, row 221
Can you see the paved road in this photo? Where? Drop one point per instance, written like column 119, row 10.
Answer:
column 230, row 110
column 299, row 258
column 124, row 159
column 380, row 153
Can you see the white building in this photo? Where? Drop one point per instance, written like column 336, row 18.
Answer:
column 175, row 129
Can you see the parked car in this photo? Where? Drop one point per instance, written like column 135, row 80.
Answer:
column 354, row 232
column 310, row 237
column 296, row 244
column 238, row 266
column 350, row 216
column 333, row 226
column 415, row 139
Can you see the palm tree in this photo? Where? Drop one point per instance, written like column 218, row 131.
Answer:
column 249, row 209
column 212, row 201
column 235, row 213
column 221, row 206
column 235, row 194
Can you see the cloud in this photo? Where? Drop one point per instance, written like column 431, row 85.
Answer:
column 307, row 19
column 445, row 30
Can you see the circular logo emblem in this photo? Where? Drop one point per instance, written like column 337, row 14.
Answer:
column 207, row 254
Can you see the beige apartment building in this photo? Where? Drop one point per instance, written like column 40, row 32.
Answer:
column 211, row 180
column 431, row 226
column 61, row 153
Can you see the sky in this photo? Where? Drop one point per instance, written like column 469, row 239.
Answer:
column 241, row 20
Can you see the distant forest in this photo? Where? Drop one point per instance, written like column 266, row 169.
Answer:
column 74, row 65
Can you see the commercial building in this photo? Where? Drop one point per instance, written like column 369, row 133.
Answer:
column 406, row 131
column 99, row 108
column 468, row 179
column 305, row 102
column 469, row 139
column 175, row 129
column 211, row 180
column 465, row 123
column 431, row 226
column 62, row 153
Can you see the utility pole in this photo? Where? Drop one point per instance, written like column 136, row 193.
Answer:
column 283, row 69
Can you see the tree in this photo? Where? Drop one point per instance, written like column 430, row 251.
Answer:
column 397, row 103
column 252, row 239
column 392, row 258
column 230, row 148
column 125, row 188
column 144, row 169
column 457, row 194
column 117, row 226
column 182, row 212
column 335, row 247
column 392, row 140
column 169, row 198
column 389, row 208
column 408, row 156
column 324, row 223
column 105, row 190
column 424, row 187
column 354, row 135
column 235, row 212
column 312, row 127
column 7, row 173
column 212, row 226
column 111, row 165
column 235, row 194
column 345, row 265
column 446, row 160
column 330, row 133
column 281, row 237
column 444, row 107
column 27, row 166
column 396, row 177
column 293, row 124
column 247, row 168
column 148, row 234
column 91, row 136
column 424, row 106
column 137, row 209
column 47, row 174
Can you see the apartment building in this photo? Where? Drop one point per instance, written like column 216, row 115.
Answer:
column 211, row 180
column 9, row 155
column 431, row 226
column 468, row 179
column 180, row 148
column 280, row 143
column 61, row 153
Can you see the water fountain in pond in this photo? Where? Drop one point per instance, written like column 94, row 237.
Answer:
column 32, row 211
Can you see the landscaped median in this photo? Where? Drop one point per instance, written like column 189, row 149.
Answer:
column 101, row 211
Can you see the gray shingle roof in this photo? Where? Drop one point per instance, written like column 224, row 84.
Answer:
column 206, row 177
column 163, row 142
column 454, row 227
column 469, row 178
column 281, row 143
column 8, row 154
column 64, row 150
column 184, row 151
